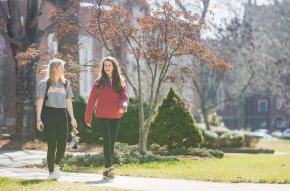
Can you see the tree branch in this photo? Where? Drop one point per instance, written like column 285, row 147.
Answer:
column 7, row 37
column 40, row 11
column 237, row 96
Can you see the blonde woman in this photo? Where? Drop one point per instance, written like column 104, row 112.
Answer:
column 53, row 102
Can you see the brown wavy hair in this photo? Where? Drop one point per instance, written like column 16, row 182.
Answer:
column 118, row 81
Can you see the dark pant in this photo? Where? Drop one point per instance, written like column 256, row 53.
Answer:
column 109, row 129
column 55, row 130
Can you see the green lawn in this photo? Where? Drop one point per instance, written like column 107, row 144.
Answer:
column 245, row 168
column 277, row 145
column 8, row 184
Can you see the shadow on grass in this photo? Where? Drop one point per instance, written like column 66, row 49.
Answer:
column 31, row 182
column 101, row 181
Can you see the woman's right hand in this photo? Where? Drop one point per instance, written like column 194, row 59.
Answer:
column 40, row 126
column 87, row 123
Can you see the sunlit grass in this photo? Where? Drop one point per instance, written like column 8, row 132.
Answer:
column 9, row 184
column 246, row 168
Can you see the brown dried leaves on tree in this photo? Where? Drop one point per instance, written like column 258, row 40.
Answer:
column 27, row 56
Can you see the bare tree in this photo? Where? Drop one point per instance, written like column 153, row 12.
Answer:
column 212, row 87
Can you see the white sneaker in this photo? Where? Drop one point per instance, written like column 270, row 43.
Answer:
column 56, row 172
column 53, row 176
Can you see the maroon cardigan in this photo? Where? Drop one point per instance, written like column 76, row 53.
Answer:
column 106, row 102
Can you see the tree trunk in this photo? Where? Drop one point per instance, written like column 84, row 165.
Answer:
column 25, row 74
column 205, row 116
column 142, row 140
column 147, row 126
column 25, row 110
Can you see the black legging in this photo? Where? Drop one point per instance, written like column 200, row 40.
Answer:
column 55, row 129
column 109, row 129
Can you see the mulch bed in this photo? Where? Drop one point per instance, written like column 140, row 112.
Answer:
column 13, row 144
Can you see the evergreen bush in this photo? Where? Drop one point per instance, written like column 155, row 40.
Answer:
column 173, row 125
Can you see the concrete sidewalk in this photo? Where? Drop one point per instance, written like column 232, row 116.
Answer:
column 11, row 159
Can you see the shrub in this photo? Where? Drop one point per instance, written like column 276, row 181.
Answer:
column 215, row 120
column 173, row 125
column 210, row 139
column 201, row 152
column 124, row 154
column 223, row 137
column 129, row 127
column 250, row 140
column 231, row 139
column 87, row 135
column 220, row 130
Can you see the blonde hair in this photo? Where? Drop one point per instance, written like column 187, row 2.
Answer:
column 53, row 64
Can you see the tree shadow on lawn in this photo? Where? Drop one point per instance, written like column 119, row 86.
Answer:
column 31, row 182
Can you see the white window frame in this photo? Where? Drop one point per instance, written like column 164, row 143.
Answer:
column 263, row 124
column 263, row 101
column 281, row 123
column 85, row 57
column 52, row 45
column 279, row 103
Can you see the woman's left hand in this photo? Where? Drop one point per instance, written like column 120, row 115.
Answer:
column 121, row 110
column 74, row 124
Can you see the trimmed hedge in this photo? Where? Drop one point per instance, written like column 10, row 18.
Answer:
column 173, row 125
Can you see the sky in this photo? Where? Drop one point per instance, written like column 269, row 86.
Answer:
column 228, row 9
column 222, row 9
column 225, row 8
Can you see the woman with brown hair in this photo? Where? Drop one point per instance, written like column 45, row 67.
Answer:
column 109, row 99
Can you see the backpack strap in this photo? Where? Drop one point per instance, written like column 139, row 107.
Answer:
column 47, row 87
column 45, row 97
column 65, row 83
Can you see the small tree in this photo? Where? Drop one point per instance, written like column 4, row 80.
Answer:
column 156, row 38
column 173, row 125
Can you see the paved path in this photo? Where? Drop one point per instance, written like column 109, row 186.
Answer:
column 11, row 159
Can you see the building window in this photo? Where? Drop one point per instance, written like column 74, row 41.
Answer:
column 86, row 57
column 279, row 103
column 263, row 105
column 263, row 125
column 280, row 123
